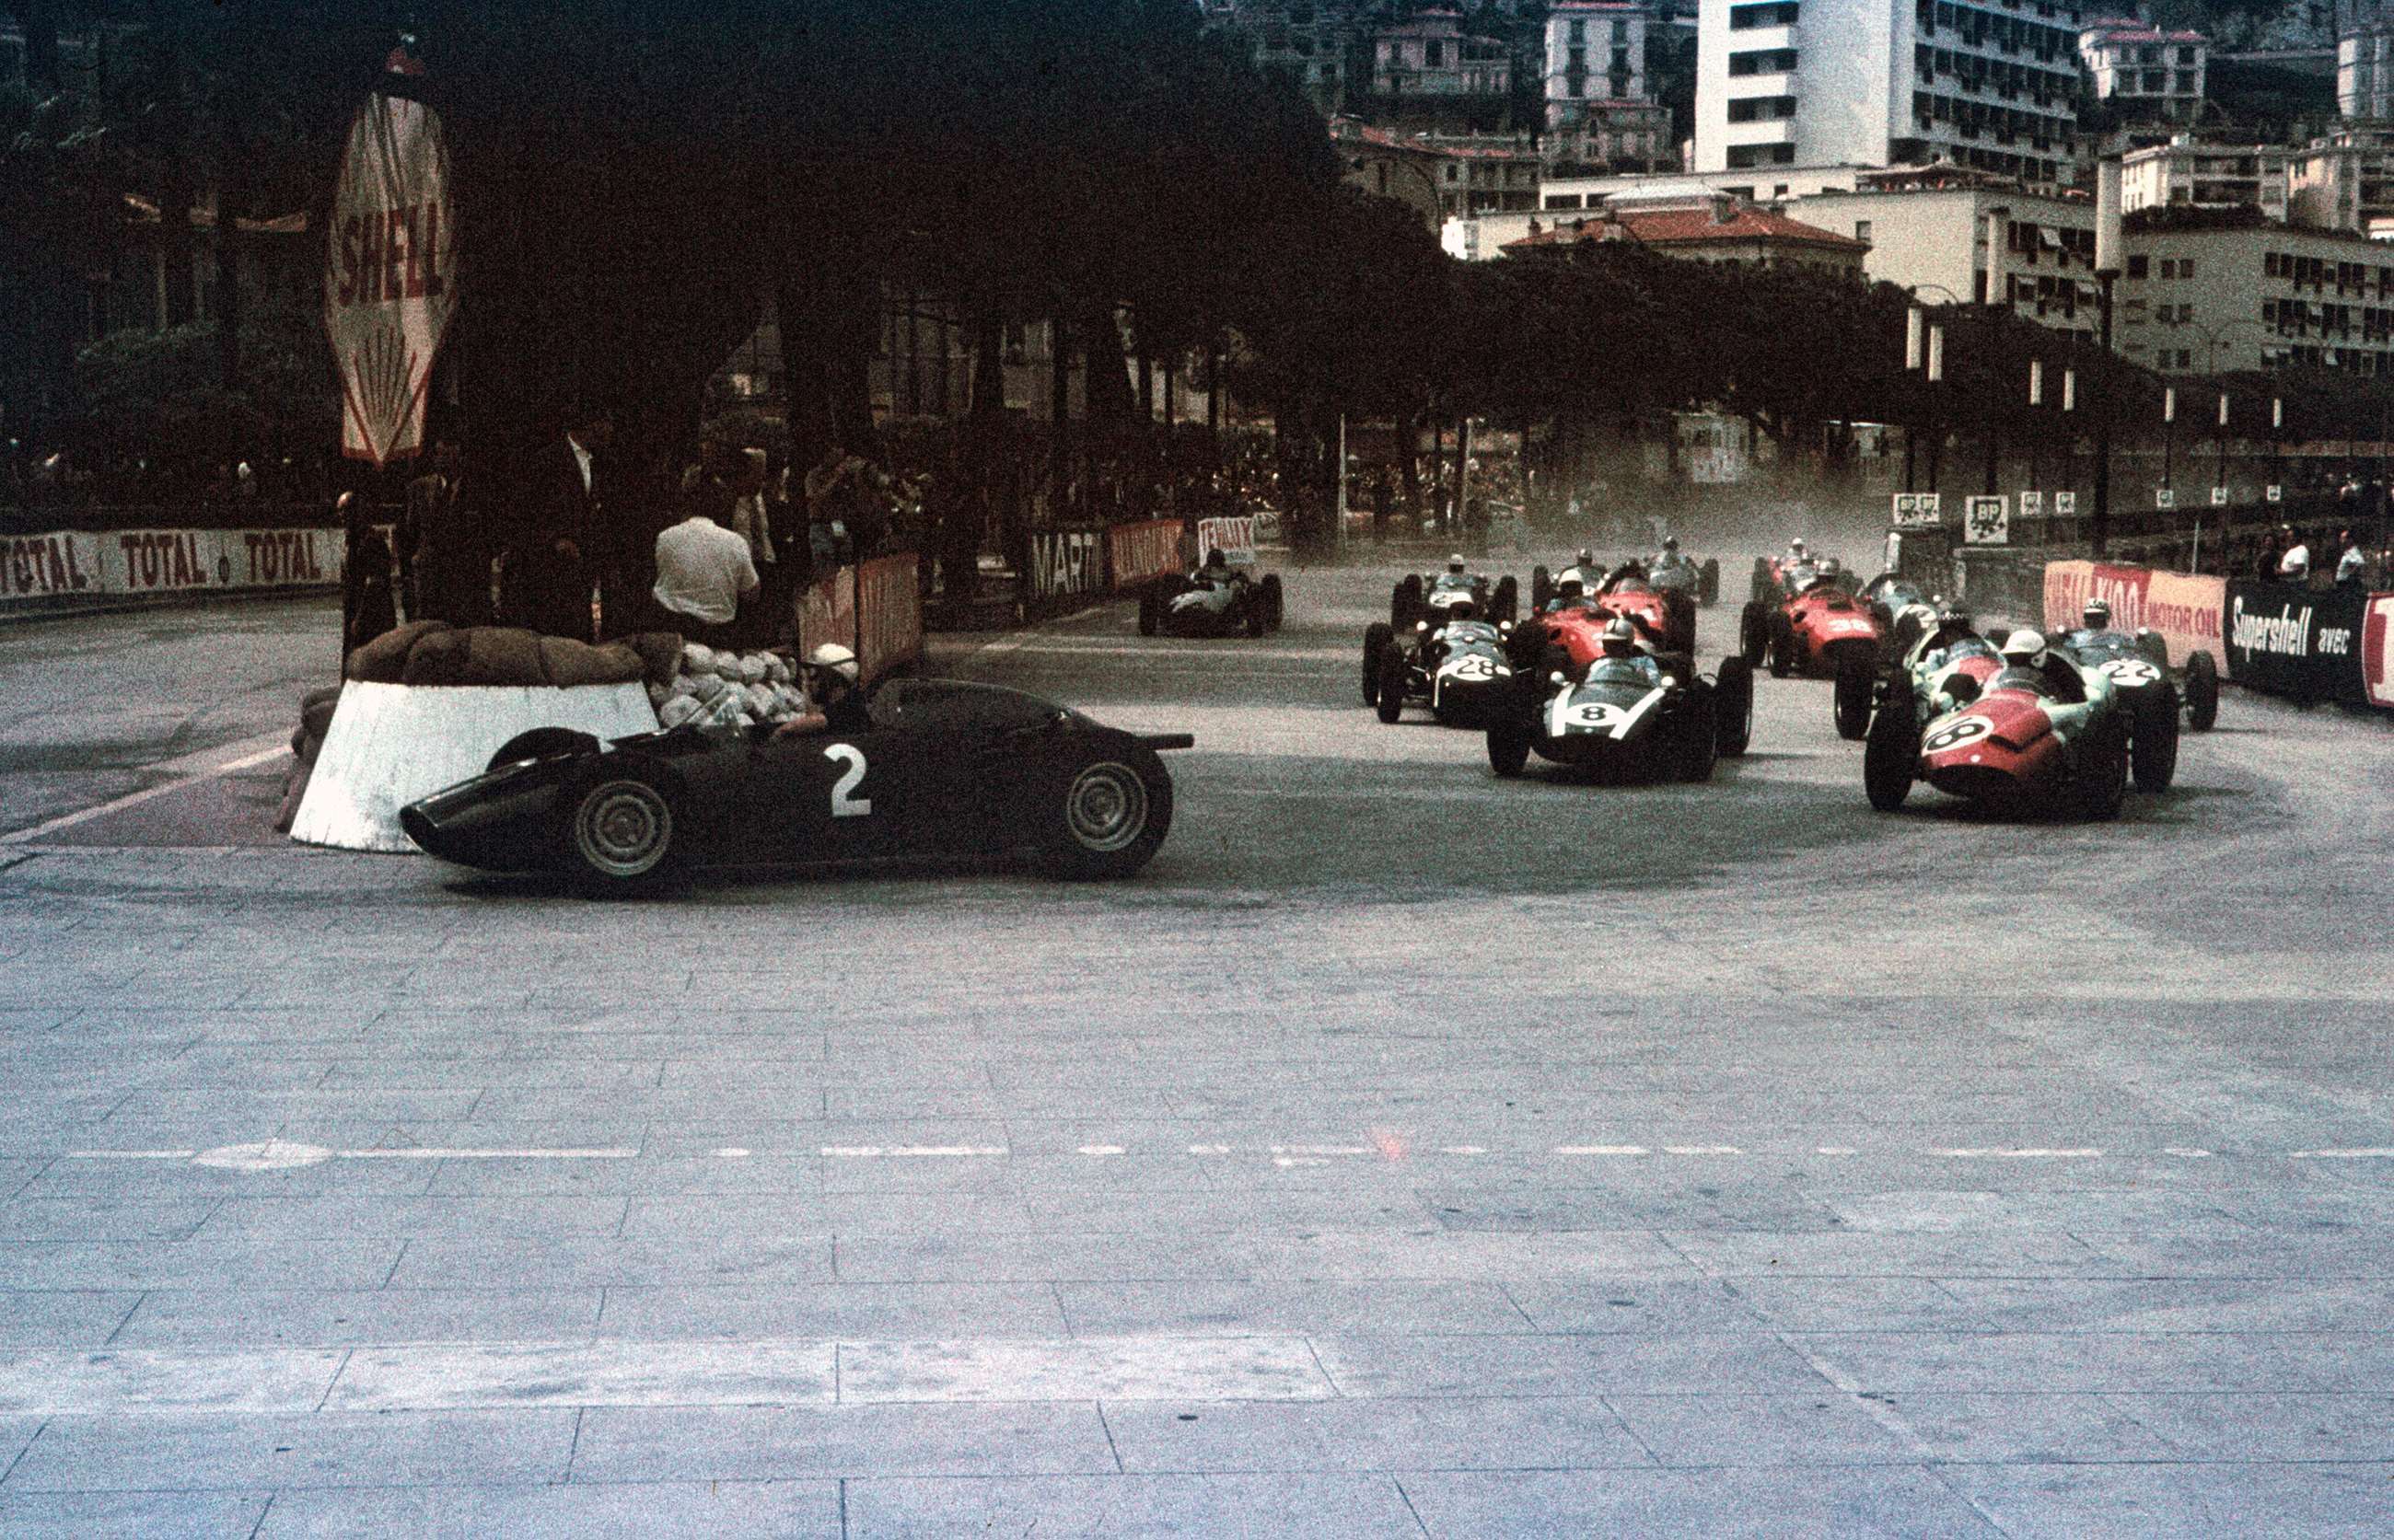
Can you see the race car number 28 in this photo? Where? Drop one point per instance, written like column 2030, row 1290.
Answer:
column 1971, row 730
column 1471, row 668
column 845, row 802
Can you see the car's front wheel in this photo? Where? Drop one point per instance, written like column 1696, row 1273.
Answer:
column 1114, row 815
column 1391, row 701
column 1509, row 748
column 1377, row 638
column 623, row 831
column 2152, row 753
column 2102, row 779
column 2201, row 692
column 1856, row 678
column 1891, row 752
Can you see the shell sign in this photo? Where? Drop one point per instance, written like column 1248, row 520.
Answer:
column 390, row 283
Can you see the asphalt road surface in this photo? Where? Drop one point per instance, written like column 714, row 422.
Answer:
column 1406, row 1151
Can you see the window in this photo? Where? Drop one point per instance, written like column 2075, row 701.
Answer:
column 1861, row 230
column 2137, row 266
column 1762, row 62
column 1434, row 55
column 1744, row 157
column 1576, row 31
column 1746, row 18
column 2186, row 267
column 1760, row 109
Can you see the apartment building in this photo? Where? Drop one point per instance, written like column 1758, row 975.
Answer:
column 1958, row 239
column 2146, row 75
column 2227, row 297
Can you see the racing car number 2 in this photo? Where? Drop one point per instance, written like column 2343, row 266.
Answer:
column 845, row 802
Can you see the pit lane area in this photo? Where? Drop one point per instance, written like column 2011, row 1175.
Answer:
column 1405, row 1152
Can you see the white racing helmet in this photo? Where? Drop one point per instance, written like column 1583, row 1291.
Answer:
column 1454, row 562
column 832, row 657
column 2024, row 649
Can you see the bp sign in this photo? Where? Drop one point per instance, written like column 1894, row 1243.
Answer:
column 390, row 278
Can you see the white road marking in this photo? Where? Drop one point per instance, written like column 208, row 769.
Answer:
column 1322, row 1149
column 282, row 1154
column 1463, row 1149
column 1209, row 1149
column 2019, row 1154
column 1101, row 1149
column 2185, row 1153
column 1834, row 1150
column 732, row 1155
column 869, row 1151
column 1602, row 1150
column 452, row 1152
column 135, row 799
column 2374, row 1153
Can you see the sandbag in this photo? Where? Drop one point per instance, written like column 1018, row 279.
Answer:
column 383, row 660
column 567, row 662
column 502, row 655
column 438, row 659
column 697, row 657
column 659, row 654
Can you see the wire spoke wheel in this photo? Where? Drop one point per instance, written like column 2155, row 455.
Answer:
column 622, row 828
column 1106, row 808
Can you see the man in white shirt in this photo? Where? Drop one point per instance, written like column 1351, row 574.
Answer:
column 703, row 570
column 2352, row 567
column 2296, row 565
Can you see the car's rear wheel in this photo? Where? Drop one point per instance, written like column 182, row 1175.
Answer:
column 1507, row 605
column 1753, row 634
column 2201, row 692
column 1680, row 622
column 1708, row 582
column 1251, row 614
column 2152, row 753
column 1852, row 701
column 1405, row 603
column 1699, row 741
column 622, row 830
column 1150, row 605
column 2102, row 781
column 1271, row 592
column 1110, row 817
column 1782, row 645
column 1891, row 752
column 1733, row 705
column 1542, row 588
column 1376, row 639
column 1391, row 701
column 542, row 743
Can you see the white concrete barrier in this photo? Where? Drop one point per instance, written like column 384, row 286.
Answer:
column 391, row 744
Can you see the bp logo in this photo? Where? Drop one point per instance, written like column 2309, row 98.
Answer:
column 2130, row 673
column 1971, row 730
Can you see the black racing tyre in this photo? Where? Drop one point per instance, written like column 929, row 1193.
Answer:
column 1699, row 741
column 1708, row 582
column 621, row 829
column 1405, row 603
column 1734, row 707
column 1542, row 588
column 1377, row 638
column 1851, row 702
column 2152, row 753
column 1272, row 597
column 2101, row 785
column 1782, row 645
column 1151, row 609
column 1507, row 605
column 1508, row 747
column 2201, row 692
column 1391, row 701
column 1754, row 633
column 1110, row 816
column 1891, row 752
column 1251, row 614
column 542, row 743
column 1762, row 583
column 2152, row 649
column 1679, row 622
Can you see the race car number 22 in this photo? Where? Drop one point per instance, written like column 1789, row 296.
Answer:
column 845, row 802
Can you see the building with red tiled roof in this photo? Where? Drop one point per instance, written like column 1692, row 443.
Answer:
column 1444, row 175
column 1710, row 230
column 2145, row 71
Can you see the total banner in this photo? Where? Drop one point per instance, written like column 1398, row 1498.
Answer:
column 2377, row 650
column 1138, row 554
column 136, row 562
column 1066, row 564
column 886, row 633
column 2300, row 641
column 2182, row 608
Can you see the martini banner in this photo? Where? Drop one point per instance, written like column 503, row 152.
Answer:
column 390, row 283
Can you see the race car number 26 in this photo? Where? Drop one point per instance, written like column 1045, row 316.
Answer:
column 2129, row 673
column 845, row 802
column 1971, row 730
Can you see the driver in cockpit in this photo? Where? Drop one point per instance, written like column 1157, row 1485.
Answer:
column 1621, row 645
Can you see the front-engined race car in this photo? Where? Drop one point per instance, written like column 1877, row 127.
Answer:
column 1458, row 670
column 1212, row 601
column 2053, row 740
column 1906, row 611
column 1666, row 614
column 1627, row 717
column 1419, row 597
column 1944, row 671
column 945, row 769
column 1813, row 626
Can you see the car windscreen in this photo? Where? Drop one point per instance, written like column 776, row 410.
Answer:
column 1467, row 632
column 953, row 706
column 2022, row 679
column 1619, row 671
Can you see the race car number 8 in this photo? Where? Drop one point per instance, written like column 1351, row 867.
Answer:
column 1971, row 730
column 2131, row 672
column 845, row 802
column 1593, row 713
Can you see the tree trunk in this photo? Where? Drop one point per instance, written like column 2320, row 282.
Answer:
column 233, row 206
column 1105, row 384
column 806, row 397
column 1059, row 412
column 39, row 20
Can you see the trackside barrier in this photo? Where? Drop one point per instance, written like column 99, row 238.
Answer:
column 2183, row 609
column 1138, row 554
column 1063, row 567
column 2301, row 641
column 2377, row 651
column 38, row 570
column 887, row 633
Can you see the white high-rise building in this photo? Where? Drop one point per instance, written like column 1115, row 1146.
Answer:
column 1596, row 51
column 1991, row 85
